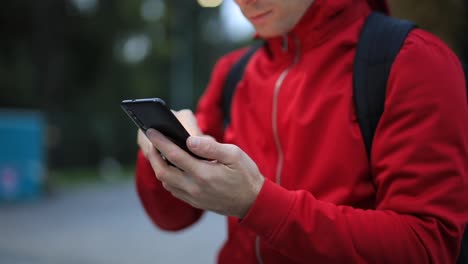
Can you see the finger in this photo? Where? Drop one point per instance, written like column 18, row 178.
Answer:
column 182, row 195
column 143, row 142
column 180, row 158
column 212, row 150
column 138, row 136
column 188, row 120
column 194, row 201
column 169, row 174
column 157, row 163
column 209, row 137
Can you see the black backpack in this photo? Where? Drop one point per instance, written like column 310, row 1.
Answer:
column 379, row 43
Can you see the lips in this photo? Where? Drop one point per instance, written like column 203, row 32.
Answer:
column 258, row 18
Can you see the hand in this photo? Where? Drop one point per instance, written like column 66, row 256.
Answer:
column 185, row 117
column 189, row 121
column 228, row 185
column 144, row 143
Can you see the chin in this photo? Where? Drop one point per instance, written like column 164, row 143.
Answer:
column 269, row 34
column 270, row 31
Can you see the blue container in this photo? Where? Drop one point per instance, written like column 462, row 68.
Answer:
column 22, row 163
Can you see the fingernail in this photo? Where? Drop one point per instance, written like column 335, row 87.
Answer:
column 151, row 133
column 193, row 142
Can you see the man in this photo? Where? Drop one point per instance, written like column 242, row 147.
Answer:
column 291, row 170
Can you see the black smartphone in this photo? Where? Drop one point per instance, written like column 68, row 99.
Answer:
column 153, row 113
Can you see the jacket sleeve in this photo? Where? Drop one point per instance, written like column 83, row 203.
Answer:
column 165, row 210
column 420, row 168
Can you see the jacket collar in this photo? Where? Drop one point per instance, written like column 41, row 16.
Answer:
column 323, row 20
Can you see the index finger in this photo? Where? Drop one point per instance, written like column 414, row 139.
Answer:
column 177, row 156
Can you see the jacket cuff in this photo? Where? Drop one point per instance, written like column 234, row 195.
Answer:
column 269, row 210
column 145, row 175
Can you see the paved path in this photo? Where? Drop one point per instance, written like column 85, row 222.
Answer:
column 101, row 224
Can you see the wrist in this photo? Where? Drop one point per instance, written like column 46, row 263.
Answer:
column 255, row 189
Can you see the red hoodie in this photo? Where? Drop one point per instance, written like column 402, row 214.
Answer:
column 322, row 202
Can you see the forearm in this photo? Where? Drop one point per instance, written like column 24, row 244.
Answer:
column 303, row 228
column 166, row 211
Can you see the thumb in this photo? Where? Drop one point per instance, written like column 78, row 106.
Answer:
column 212, row 150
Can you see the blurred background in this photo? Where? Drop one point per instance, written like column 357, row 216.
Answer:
column 67, row 150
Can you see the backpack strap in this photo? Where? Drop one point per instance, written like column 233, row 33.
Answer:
column 380, row 41
column 234, row 76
